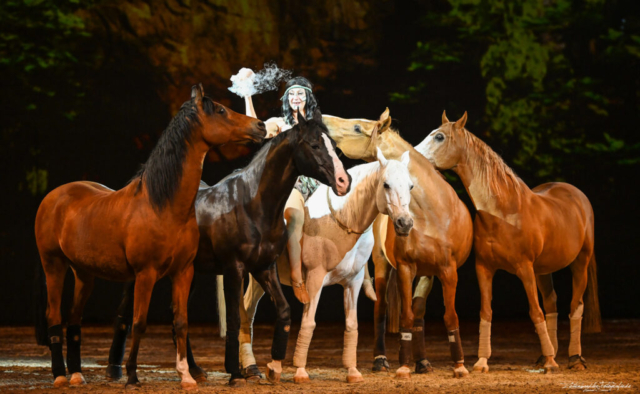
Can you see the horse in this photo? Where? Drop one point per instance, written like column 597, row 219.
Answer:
column 242, row 230
column 527, row 232
column 146, row 230
column 336, row 245
column 439, row 244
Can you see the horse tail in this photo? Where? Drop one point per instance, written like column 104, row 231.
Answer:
column 222, row 306
column 40, row 307
column 367, row 284
column 394, row 306
column 592, row 317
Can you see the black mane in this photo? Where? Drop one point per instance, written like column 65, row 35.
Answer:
column 162, row 172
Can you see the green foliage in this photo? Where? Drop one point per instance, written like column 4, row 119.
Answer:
column 560, row 77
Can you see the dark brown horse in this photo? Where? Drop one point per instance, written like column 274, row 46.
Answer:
column 145, row 231
column 527, row 232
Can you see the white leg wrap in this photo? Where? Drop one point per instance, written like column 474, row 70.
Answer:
column 183, row 370
column 350, row 350
column 545, row 342
column 575, row 320
column 484, row 347
column 246, row 355
column 552, row 329
column 302, row 347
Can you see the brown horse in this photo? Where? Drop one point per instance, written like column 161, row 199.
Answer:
column 438, row 245
column 529, row 233
column 145, row 231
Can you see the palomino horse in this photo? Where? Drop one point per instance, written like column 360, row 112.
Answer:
column 146, row 230
column 336, row 245
column 438, row 245
column 529, row 233
column 242, row 229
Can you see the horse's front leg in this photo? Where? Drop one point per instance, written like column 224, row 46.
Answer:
column 449, row 279
column 419, row 310
column 121, row 328
column 247, row 313
column 406, row 274
column 181, row 286
column 268, row 279
column 233, row 295
column 196, row 372
column 350, row 349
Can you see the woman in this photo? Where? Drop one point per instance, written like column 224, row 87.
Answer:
column 298, row 100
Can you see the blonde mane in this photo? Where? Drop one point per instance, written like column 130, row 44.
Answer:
column 364, row 182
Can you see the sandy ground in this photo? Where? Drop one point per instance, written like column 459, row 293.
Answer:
column 613, row 359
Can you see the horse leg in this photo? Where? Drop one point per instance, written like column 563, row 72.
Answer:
column 549, row 298
column 294, row 215
column 350, row 349
column 197, row 373
column 180, row 289
column 579, row 271
column 82, row 291
column 141, row 298
column 55, row 269
column 380, row 362
column 233, row 294
column 419, row 310
column 528, row 278
column 121, row 327
column 270, row 283
column 247, row 314
column 485, row 281
column 315, row 282
column 406, row 275
column 449, row 279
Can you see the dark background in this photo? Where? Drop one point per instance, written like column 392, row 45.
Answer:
column 554, row 87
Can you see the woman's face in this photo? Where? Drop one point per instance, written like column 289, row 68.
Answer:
column 297, row 99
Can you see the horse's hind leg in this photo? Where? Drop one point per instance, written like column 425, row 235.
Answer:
column 425, row 284
column 253, row 294
column 579, row 271
column 233, row 296
column 55, row 269
column 121, row 327
column 549, row 298
column 181, row 286
column 141, row 298
column 528, row 278
column 83, row 288
column 485, row 281
column 382, row 269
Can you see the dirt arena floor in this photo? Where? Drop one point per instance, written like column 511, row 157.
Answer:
column 613, row 358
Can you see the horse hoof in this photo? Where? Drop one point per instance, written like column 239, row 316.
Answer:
column 423, row 366
column 460, row 372
column 189, row 385
column 481, row 365
column 552, row 369
column 237, row 382
column 355, row 379
column 381, row 364
column 198, row 374
column 252, row 374
column 132, row 386
column 540, row 362
column 577, row 363
column 77, row 379
column 273, row 376
column 301, row 379
column 114, row 372
column 61, row 381
column 403, row 373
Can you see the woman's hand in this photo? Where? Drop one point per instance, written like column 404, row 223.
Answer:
column 245, row 73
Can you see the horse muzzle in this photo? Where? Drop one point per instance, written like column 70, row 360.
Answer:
column 403, row 225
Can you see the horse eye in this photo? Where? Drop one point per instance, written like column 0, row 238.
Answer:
column 357, row 128
column 221, row 110
column 439, row 137
column 386, row 185
column 411, row 187
column 316, row 147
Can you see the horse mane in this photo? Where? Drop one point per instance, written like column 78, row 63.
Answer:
column 162, row 172
column 493, row 171
column 361, row 174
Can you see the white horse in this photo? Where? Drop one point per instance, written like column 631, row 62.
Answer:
column 336, row 245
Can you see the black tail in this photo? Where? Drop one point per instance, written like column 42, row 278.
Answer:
column 40, row 307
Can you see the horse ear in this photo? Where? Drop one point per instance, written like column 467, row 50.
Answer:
column 317, row 115
column 405, row 159
column 462, row 121
column 197, row 92
column 385, row 121
column 383, row 160
column 384, row 115
column 444, row 117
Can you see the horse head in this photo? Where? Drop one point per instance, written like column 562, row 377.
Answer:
column 220, row 125
column 394, row 192
column 315, row 156
column 444, row 146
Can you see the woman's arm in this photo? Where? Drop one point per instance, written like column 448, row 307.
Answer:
column 248, row 103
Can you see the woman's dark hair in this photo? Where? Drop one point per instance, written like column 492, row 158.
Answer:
column 311, row 104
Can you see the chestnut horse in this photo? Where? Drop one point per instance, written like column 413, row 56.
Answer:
column 146, row 230
column 438, row 245
column 529, row 233
column 242, row 231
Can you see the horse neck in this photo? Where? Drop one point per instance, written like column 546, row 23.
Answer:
column 491, row 184
column 358, row 209
column 183, row 205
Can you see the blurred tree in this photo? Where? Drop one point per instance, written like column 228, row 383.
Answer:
column 560, row 78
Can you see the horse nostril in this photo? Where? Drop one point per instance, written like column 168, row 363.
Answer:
column 341, row 180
